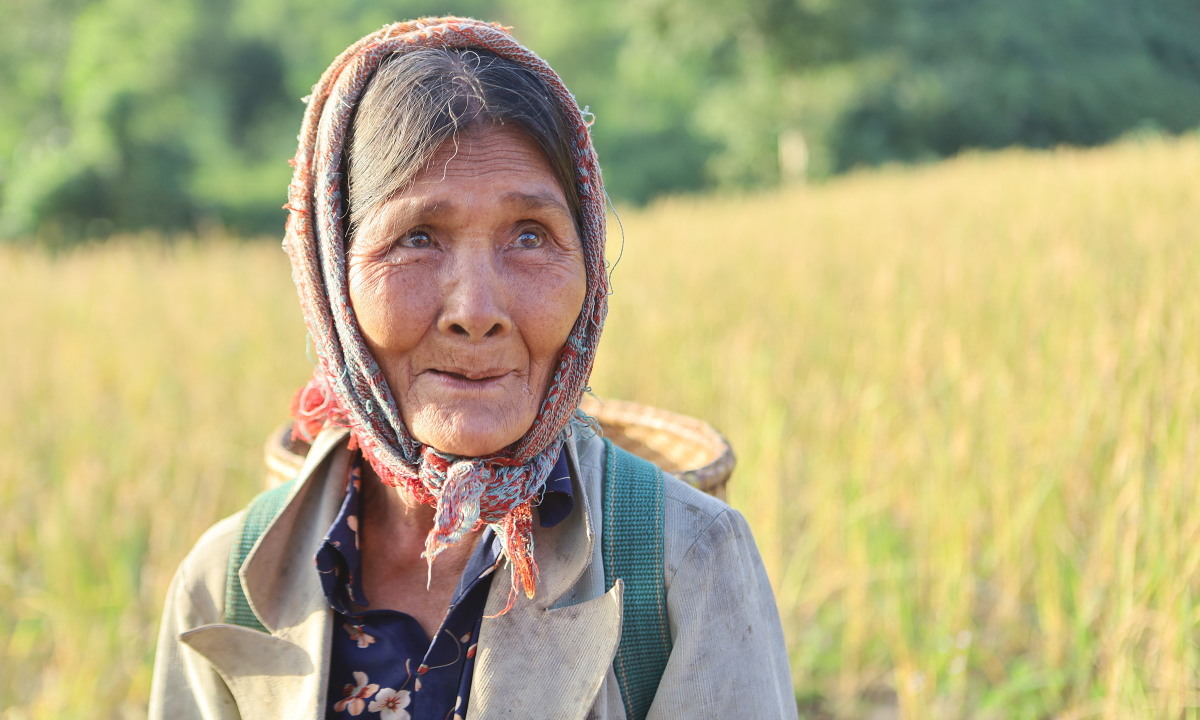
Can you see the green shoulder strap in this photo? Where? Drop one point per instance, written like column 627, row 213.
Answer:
column 261, row 512
column 633, row 551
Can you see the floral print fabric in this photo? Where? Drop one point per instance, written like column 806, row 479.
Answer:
column 382, row 665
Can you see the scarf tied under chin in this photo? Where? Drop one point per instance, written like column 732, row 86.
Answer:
column 348, row 387
column 466, row 493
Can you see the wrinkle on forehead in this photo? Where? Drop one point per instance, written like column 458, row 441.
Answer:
column 434, row 208
column 493, row 149
column 492, row 154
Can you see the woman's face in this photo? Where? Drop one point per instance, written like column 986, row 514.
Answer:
column 466, row 285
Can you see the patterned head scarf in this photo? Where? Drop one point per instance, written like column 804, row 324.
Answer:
column 348, row 387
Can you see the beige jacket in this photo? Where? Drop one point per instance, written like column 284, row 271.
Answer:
column 549, row 657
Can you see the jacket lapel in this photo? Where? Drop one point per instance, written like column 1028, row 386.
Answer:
column 548, row 656
column 268, row 677
column 284, row 674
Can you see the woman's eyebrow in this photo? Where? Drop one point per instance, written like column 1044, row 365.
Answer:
column 398, row 212
column 407, row 207
column 537, row 201
column 402, row 211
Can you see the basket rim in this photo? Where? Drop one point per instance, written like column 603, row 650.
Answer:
column 710, row 476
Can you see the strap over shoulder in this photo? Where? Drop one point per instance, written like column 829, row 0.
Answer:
column 633, row 551
column 261, row 512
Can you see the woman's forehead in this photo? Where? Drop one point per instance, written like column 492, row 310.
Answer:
column 498, row 167
column 502, row 159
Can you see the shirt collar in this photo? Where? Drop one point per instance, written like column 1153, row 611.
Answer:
column 557, row 498
column 339, row 563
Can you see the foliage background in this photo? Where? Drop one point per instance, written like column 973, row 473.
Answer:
column 122, row 115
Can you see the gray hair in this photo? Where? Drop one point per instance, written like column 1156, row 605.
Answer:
column 419, row 99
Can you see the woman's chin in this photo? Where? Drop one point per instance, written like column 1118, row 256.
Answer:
column 469, row 434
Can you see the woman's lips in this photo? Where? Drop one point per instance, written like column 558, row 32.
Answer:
column 468, row 379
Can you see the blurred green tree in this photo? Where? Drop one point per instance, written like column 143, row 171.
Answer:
column 123, row 115
column 873, row 81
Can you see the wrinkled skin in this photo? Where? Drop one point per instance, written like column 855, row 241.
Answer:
column 466, row 285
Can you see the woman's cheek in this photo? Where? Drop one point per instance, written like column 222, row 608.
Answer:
column 566, row 296
column 378, row 293
column 365, row 298
column 559, row 283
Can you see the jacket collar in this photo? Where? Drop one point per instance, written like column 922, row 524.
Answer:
column 546, row 657
column 277, row 575
column 284, row 674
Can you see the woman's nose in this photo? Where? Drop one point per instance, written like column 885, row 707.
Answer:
column 476, row 306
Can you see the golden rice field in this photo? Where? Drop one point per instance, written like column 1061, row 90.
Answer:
column 965, row 398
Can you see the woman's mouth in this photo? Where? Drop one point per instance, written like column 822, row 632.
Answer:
column 467, row 377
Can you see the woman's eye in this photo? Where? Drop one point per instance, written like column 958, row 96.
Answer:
column 417, row 240
column 529, row 240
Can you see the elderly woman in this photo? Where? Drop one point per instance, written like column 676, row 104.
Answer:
column 443, row 552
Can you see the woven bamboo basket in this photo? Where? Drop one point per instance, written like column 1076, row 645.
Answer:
column 686, row 447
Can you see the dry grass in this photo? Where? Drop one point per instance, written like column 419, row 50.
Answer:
column 966, row 400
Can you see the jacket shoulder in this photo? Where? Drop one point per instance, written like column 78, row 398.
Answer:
column 200, row 579
column 725, row 625
column 694, row 523
column 687, row 498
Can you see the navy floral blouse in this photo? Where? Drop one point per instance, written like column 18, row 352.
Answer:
column 382, row 665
